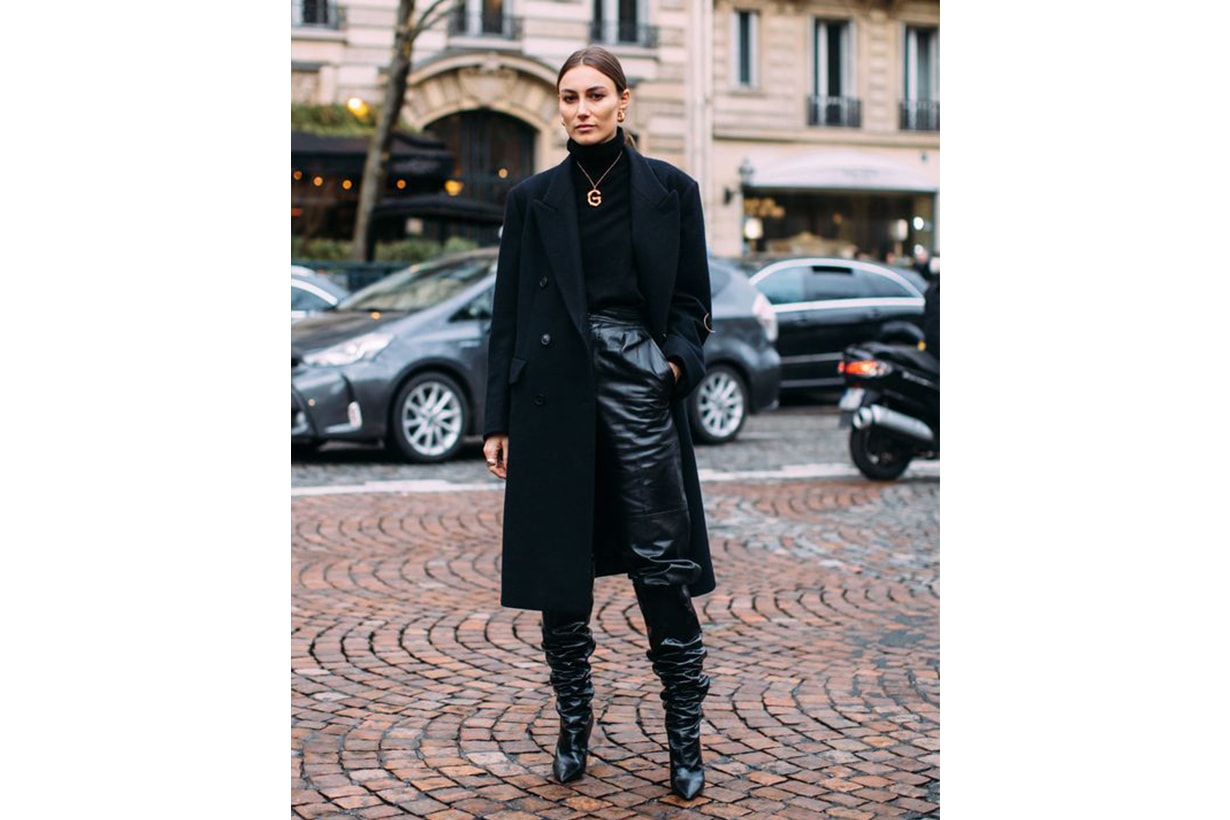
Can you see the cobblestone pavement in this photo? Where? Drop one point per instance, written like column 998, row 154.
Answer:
column 414, row 694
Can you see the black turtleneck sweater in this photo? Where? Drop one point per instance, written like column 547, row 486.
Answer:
column 606, row 231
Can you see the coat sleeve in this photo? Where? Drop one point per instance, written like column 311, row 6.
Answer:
column 503, row 319
column 688, row 321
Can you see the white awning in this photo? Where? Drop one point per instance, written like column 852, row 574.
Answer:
column 845, row 170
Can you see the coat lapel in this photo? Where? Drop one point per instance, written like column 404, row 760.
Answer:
column 655, row 239
column 557, row 225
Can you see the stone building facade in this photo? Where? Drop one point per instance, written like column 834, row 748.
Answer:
column 811, row 125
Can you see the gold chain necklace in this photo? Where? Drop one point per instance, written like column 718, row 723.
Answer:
column 594, row 197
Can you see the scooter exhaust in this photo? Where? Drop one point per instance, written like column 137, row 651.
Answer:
column 892, row 420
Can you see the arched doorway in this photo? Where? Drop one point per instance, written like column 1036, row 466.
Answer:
column 493, row 153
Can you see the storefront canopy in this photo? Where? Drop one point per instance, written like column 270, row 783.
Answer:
column 442, row 206
column 845, row 170
column 411, row 154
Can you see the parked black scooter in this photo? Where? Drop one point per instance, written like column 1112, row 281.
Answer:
column 892, row 407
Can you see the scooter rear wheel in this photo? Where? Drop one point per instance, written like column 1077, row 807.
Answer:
column 878, row 455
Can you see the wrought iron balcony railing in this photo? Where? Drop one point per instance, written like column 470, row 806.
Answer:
column 619, row 33
column 315, row 14
column 846, row 112
column 920, row 115
column 504, row 26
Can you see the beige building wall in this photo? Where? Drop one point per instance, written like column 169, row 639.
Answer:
column 767, row 125
column 686, row 107
column 515, row 76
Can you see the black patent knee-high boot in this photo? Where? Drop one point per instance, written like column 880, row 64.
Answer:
column 568, row 643
column 677, row 650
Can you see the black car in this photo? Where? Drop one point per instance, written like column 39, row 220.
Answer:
column 404, row 360
column 826, row 304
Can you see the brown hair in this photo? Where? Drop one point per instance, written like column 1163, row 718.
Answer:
column 605, row 62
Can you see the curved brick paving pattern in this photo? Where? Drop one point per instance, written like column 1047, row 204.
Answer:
column 416, row 695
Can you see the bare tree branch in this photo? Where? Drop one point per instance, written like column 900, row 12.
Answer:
column 376, row 166
column 436, row 11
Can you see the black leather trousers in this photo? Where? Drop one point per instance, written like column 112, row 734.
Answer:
column 638, row 450
column 639, row 466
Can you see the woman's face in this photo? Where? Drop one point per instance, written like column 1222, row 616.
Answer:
column 588, row 105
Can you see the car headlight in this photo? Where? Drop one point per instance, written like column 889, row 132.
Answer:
column 349, row 352
column 765, row 314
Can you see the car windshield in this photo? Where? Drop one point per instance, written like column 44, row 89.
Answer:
column 420, row 286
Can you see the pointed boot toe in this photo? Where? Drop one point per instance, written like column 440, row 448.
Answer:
column 572, row 752
column 687, row 783
column 568, row 769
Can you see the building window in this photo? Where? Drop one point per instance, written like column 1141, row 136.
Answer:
column 743, row 37
column 314, row 13
column 484, row 18
column 304, row 84
column 833, row 101
column 920, row 108
column 618, row 22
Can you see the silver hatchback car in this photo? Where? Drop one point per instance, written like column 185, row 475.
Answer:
column 311, row 293
column 404, row 360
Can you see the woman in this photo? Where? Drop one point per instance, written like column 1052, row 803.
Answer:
column 601, row 308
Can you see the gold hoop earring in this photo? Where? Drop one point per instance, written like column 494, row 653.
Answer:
column 620, row 116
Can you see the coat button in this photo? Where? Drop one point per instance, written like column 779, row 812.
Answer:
column 542, row 283
column 546, row 339
column 540, row 400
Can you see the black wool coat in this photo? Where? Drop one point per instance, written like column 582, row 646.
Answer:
column 558, row 529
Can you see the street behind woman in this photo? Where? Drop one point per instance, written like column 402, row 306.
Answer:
column 601, row 308
column 931, row 318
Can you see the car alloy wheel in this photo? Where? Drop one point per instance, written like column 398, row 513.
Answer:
column 719, row 405
column 429, row 418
